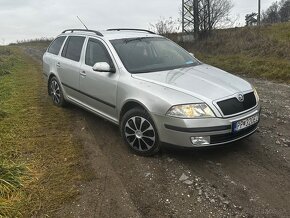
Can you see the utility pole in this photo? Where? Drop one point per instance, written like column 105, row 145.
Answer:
column 259, row 12
column 182, row 19
column 187, row 16
column 209, row 14
column 196, row 16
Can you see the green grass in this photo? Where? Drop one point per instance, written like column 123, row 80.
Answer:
column 40, row 160
column 5, row 61
column 262, row 52
column 11, row 178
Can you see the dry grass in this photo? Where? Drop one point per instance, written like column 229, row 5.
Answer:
column 256, row 51
column 40, row 160
column 34, row 42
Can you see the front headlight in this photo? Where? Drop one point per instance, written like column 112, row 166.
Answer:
column 256, row 95
column 200, row 110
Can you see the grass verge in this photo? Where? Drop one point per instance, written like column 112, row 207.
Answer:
column 40, row 160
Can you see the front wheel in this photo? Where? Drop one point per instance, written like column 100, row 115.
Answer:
column 139, row 132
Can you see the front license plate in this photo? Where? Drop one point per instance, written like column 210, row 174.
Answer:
column 245, row 123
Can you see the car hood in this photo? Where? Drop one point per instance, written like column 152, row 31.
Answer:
column 204, row 82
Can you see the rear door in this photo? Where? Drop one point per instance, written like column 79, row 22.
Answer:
column 99, row 88
column 68, row 65
column 50, row 57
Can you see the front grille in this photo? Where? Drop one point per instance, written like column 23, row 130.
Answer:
column 234, row 106
column 223, row 138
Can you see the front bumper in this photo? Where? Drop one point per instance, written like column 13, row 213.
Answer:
column 180, row 131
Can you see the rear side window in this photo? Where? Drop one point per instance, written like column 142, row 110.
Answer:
column 96, row 52
column 73, row 48
column 56, row 45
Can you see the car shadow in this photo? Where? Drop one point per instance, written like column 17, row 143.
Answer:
column 173, row 151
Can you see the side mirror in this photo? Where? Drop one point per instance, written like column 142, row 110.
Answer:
column 191, row 54
column 103, row 67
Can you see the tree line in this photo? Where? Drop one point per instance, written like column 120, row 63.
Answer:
column 218, row 13
column 277, row 12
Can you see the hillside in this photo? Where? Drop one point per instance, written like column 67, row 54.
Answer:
column 262, row 52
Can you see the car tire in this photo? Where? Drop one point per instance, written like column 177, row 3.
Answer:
column 56, row 93
column 139, row 132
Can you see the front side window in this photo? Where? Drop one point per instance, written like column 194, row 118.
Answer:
column 73, row 48
column 56, row 45
column 149, row 54
column 96, row 52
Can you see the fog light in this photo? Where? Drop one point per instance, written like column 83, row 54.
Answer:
column 200, row 140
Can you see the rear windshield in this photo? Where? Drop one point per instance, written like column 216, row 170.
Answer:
column 142, row 55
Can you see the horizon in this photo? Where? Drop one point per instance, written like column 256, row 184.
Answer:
column 22, row 24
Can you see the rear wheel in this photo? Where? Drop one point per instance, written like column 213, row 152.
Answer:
column 139, row 132
column 55, row 92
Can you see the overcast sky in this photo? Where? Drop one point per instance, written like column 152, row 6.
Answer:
column 26, row 19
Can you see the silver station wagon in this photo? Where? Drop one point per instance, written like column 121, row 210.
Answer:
column 152, row 88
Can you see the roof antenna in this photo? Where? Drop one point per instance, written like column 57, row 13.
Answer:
column 82, row 22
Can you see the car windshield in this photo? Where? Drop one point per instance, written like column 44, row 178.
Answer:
column 148, row 54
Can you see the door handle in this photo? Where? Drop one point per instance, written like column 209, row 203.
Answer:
column 58, row 64
column 83, row 73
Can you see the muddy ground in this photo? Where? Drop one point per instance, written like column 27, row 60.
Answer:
column 249, row 178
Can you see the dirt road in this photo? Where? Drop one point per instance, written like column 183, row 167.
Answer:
column 249, row 178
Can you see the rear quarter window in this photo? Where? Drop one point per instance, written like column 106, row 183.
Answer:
column 73, row 48
column 56, row 45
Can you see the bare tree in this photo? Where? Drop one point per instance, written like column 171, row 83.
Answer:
column 284, row 11
column 277, row 12
column 165, row 26
column 271, row 15
column 219, row 12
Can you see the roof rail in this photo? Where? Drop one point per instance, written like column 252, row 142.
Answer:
column 83, row 30
column 121, row 29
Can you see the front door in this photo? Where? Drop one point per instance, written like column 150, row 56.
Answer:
column 99, row 89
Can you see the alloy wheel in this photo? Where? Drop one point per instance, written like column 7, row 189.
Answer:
column 55, row 91
column 140, row 133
